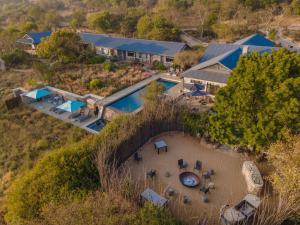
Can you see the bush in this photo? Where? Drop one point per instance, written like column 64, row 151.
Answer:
column 69, row 172
column 95, row 83
column 196, row 124
column 152, row 215
column 108, row 66
column 158, row 65
column 15, row 58
column 98, row 59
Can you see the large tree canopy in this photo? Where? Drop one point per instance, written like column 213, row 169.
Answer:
column 62, row 46
column 260, row 102
column 156, row 28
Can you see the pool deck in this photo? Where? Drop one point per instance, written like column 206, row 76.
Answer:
column 45, row 107
column 127, row 91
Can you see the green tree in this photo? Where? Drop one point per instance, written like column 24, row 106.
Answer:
column 108, row 66
column 157, row 28
column 95, row 83
column 153, row 91
column 77, row 19
column 28, row 26
column 62, row 46
column 295, row 7
column 103, row 21
column 260, row 102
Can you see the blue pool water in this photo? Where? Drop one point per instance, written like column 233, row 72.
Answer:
column 97, row 126
column 134, row 101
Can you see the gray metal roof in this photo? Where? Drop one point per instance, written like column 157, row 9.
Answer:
column 165, row 48
column 208, row 75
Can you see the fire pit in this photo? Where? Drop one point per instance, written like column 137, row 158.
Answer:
column 189, row 179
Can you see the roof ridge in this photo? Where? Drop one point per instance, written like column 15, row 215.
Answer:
column 107, row 35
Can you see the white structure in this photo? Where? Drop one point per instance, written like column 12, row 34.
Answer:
column 253, row 177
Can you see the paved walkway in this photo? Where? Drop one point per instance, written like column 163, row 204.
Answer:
column 127, row 91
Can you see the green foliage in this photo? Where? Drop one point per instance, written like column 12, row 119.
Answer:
column 62, row 46
column 16, row 58
column 95, row 83
column 295, row 7
column 182, row 4
column 28, row 26
column 260, row 102
column 197, row 124
column 157, row 65
column 77, row 19
column 103, row 21
column 152, row 215
column 97, row 59
column 153, row 91
column 273, row 35
column 108, row 66
column 45, row 71
column 68, row 172
column 156, row 27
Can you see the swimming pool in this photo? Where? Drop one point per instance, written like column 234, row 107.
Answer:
column 134, row 101
column 96, row 126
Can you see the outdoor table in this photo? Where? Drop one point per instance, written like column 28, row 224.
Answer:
column 151, row 196
column 160, row 145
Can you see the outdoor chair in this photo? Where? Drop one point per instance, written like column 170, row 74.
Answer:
column 182, row 164
column 206, row 175
column 205, row 198
column 198, row 165
column 137, row 157
column 204, row 189
column 186, row 199
column 211, row 172
column 82, row 118
column 74, row 115
column 151, row 173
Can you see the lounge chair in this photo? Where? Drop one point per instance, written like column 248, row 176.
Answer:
column 137, row 157
column 182, row 164
column 74, row 115
column 82, row 118
column 59, row 111
column 198, row 165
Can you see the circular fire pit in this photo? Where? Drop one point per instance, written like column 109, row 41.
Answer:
column 189, row 179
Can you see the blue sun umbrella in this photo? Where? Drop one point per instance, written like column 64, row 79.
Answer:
column 71, row 106
column 38, row 93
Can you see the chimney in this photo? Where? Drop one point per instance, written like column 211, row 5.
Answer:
column 245, row 49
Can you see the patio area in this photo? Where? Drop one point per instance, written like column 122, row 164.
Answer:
column 69, row 111
column 190, row 203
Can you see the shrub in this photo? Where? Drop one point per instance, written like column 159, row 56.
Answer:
column 152, row 215
column 158, row 65
column 108, row 66
column 68, row 172
column 95, row 83
column 98, row 59
column 196, row 124
column 15, row 58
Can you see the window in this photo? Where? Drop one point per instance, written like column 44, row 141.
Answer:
column 196, row 82
column 169, row 59
column 130, row 54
